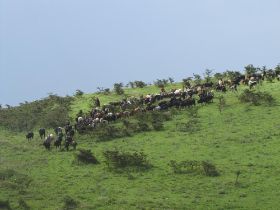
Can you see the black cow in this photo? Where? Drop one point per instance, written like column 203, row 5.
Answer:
column 42, row 133
column 69, row 141
column 58, row 141
column 29, row 136
column 205, row 98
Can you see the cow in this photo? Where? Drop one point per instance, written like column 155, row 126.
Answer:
column 58, row 130
column 42, row 133
column 48, row 141
column 58, row 141
column 69, row 141
column 29, row 136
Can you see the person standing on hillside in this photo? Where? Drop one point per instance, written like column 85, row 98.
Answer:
column 97, row 102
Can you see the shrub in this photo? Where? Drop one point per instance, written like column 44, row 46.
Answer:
column 5, row 205
column 121, row 160
column 86, row 156
column 79, row 93
column 209, row 169
column 142, row 126
column 70, row 203
column 140, row 84
column 23, row 205
column 118, row 88
column 157, row 125
column 256, row 97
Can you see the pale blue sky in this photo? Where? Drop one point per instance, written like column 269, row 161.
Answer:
column 62, row 45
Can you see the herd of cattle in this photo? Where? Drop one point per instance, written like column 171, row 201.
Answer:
column 178, row 98
column 48, row 139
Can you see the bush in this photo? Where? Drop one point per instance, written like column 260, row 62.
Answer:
column 23, row 205
column 209, row 169
column 79, row 93
column 121, row 160
column 86, row 156
column 157, row 125
column 142, row 126
column 70, row 203
column 140, row 84
column 5, row 205
column 118, row 88
column 256, row 97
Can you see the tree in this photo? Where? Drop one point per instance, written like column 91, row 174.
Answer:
column 277, row 69
column 79, row 93
column 171, row 80
column 232, row 74
column 187, row 82
column 140, row 84
column 131, row 84
column 118, row 88
column 250, row 69
column 208, row 74
column 218, row 76
column 197, row 79
column 160, row 83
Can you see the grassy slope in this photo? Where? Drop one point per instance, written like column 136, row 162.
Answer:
column 241, row 138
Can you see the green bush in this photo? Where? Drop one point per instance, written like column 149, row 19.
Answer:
column 86, row 156
column 256, row 98
column 123, row 160
column 209, row 169
column 5, row 205
column 157, row 125
column 23, row 205
column 70, row 203
column 142, row 126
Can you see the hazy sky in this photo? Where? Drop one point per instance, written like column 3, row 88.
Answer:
column 59, row 46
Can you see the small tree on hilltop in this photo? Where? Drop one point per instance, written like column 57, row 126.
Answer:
column 277, row 69
column 79, row 93
column 208, row 74
column 187, row 82
column 171, row 80
column 118, row 88
column 197, row 79
column 250, row 69
column 140, row 84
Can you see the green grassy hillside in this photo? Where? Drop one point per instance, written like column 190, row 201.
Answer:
column 242, row 138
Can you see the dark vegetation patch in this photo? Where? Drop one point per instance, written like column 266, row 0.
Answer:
column 13, row 180
column 86, row 157
column 23, row 205
column 5, row 205
column 194, row 167
column 256, row 98
column 118, row 160
column 70, row 203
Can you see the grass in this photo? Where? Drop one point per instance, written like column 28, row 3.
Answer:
column 241, row 138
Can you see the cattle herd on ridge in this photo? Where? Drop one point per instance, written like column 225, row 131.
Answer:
column 178, row 98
